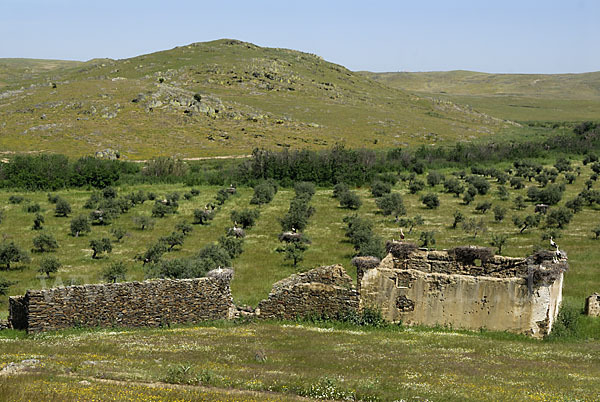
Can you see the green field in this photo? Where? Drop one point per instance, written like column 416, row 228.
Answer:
column 247, row 97
column 225, row 98
column 517, row 97
column 260, row 266
column 321, row 362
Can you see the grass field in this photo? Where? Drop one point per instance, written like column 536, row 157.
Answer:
column 246, row 96
column 518, row 97
column 260, row 266
column 322, row 362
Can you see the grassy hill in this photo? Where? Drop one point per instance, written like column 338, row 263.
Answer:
column 216, row 98
column 522, row 97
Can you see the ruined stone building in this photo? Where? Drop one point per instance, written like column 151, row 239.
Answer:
column 466, row 287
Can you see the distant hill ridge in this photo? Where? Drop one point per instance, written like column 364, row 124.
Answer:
column 223, row 97
column 461, row 82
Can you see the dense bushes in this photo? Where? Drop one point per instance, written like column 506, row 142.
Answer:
column 52, row 172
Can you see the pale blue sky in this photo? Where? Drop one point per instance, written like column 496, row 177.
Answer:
column 545, row 36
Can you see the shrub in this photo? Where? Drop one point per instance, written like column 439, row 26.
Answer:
column 498, row 240
column 38, row 222
column 530, row 221
column 427, row 239
column 359, row 230
column 391, row 204
column 143, row 222
column 415, row 186
column 16, row 199
column 350, row 200
column 160, row 209
column 430, row 200
column 483, row 207
column 568, row 322
column 80, row 224
column 172, row 240
column 33, row 208
column 202, row 216
column 453, row 186
column 114, row 272
column 184, row 227
column 480, row 183
column 293, row 251
column 499, row 213
column 304, row 188
column 49, row 265
column 63, row 208
column 517, row 183
column 214, row 256
column 10, row 252
column 417, row 220
column 179, row 268
column 596, row 232
column 340, row 189
column 298, row 214
column 474, row 227
column 119, row 233
column 380, row 188
column 503, row 193
column 458, row 218
column 44, row 242
column 559, row 217
column 233, row 245
column 100, row 246
column 434, row 178
column 4, row 285
column 246, row 217
column 373, row 247
column 264, row 193
column 520, row 202
column 154, row 253
column 222, row 196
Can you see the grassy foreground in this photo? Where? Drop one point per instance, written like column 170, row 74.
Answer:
column 325, row 362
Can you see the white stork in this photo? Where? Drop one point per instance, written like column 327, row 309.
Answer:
column 552, row 243
column 401, row 234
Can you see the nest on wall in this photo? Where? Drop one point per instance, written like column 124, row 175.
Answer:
column 365, row 263
column 400, row 250
column 467, row 255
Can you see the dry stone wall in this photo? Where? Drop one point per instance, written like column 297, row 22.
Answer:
column 131, row 304
column 438, row 288
column 324, row 291
column 592, row 305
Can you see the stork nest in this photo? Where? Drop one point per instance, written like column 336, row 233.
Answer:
column 290, row 237
column 540, row 256
column 400, row 250
column 365, row 263
column 236, row 232
column 468, row 254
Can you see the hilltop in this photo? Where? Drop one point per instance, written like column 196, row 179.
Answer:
column 523, row 97
column 224, row 97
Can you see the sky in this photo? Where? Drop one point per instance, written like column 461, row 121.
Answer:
column 500, row 36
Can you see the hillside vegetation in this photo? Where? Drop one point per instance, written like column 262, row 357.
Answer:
column 522, row 97
column 216, row 98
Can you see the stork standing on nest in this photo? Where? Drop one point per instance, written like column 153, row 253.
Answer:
column 552, row 243
column 401, row 234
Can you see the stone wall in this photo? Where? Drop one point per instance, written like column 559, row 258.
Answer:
column 592, row 305
column 323, row 291
column 437, row 288
column 130, row 304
